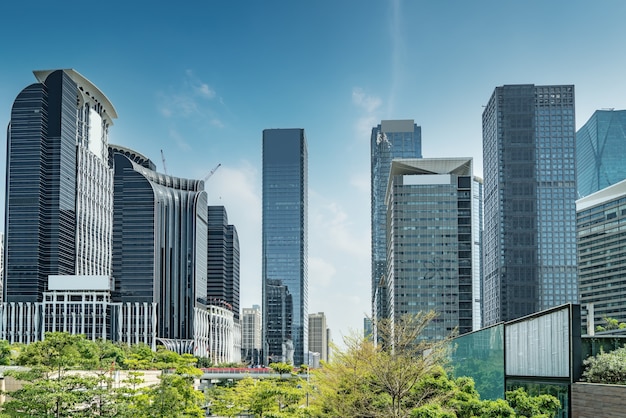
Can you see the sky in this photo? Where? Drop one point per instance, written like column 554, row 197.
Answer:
column 200, row 80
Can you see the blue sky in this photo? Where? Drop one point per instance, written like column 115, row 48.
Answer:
column 201, row 80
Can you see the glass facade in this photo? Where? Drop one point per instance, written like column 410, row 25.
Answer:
column 58, row 201
column 529, row 195
column 601, row 229
column 480, row 355
column 391, row 139
column 284, row 247
column 223, row 261
column 159, row 248
column 431, row 242
column 601, row 151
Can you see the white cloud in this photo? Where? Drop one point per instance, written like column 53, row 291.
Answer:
column 205, row 91
column 361, row 99
column 179, row 140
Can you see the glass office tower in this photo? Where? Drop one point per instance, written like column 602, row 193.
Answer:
column 434, row 230
column 160, row 249
column 223, row 262
column 59, row 203
column 285, row 248
column 391, row 139
column 601, row 151
column 529, row 241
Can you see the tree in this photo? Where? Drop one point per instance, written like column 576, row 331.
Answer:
column 541, row 406
column 260, row 398
column 5, row 353
column 405, row 377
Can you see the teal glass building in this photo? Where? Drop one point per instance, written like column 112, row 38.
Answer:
column 390, row 139
column 601, row 151
column 285, row 246
column 530, row 191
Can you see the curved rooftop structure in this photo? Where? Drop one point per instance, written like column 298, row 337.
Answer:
column 86, row 86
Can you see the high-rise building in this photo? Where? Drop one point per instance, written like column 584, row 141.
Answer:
column 529, row 243
column 601, row 151
column 223, row 261
column 160, row 248
column 285, row 247
column 251, row 341
column 434, row 229
column 391, row 139
column 318, row 334
column 59, row 203
column 600, row 225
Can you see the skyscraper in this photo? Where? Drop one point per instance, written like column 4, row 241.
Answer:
column 391, row 139
column 434, row 228
column 59, row 203
column 318, row 335
column 285, row 247
column 251, row 340
column 601, row 151
column 223, row 261
column 529, row 241
column 160, row 248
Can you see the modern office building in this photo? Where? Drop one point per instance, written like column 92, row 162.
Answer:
column 318, row 335
column 434, row 252
column 601, row 151
column 601, row 230
column 529, row 172
column 285, row 247
column 251, row 339
column 58, row 203
column 390, row 139
column 160, row 247
column 223, row 261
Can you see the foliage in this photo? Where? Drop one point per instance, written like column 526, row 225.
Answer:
column 609, row 368
column 282, row 368
column 5, row 353
column 541, row 406
column 51, row 388
column 610, row 324
column 260, row 398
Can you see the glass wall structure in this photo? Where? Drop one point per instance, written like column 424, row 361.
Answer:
column 601, row 228
column 480, row 355
column 601, row 151
column 318, row 335
column 223, row 261
column 529, row 196
column 390, row 139
column 431, row 242
column 285, row 247
column 58, row 201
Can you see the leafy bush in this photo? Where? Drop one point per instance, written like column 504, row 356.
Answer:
column 609, row 368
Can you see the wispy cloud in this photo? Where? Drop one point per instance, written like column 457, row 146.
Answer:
column 179, row 140
column 367, row 102
column 193, row 100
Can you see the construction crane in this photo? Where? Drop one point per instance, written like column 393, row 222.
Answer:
column 212, row 172
column 163, row 159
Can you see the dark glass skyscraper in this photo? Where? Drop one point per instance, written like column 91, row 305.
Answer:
column 160, row 246
column 529, row 242
column 391, row 139
column 59, row 200
column 285, row 247
column 601, row 151
column 223, row 261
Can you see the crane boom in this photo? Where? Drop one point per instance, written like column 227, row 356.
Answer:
column 163, row 159
column 212, row 171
